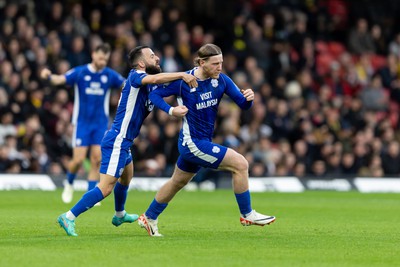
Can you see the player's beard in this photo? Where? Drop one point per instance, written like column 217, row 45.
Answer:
column 210, row 74
column 153, row 69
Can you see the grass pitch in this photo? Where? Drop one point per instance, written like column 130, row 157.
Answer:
column 203, row 229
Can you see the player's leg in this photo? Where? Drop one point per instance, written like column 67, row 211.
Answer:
column 93, row 138
column 183, row 173
column 178, row 180
column 111, row 167
column 238, row 165
column 88, row 200
column 95, row 159
column 78, row 156
column 120, row 195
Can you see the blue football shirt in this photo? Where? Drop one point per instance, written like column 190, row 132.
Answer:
column 202, row 103
column 92, row 93
column 134, row 106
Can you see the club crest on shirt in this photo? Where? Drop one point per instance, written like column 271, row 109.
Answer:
column 87, row 78
column 214, row 83
column 104, row 78
column 216, row 149
column 193, row 89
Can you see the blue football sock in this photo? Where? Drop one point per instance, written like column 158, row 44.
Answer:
column 87, row 201
column 155, row 209
column 71, row 177
column 91, row 184
column 244, row 202
column 120, row 195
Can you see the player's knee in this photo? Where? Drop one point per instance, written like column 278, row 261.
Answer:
column 95, row 161
column 77, row 160
column 105, row 190
column 241, row 164
column 179, row 183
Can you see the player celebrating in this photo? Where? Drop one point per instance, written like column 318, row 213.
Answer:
column 91, row 83
column 198, row 107
column 116, row 169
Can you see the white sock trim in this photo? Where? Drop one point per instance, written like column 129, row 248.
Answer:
column 120, row 214
column 70, row 215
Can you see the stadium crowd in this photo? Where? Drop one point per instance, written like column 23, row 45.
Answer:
column 327, row 81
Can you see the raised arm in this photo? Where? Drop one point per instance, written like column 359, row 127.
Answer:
column 243, row 98
column 169, row 77
column 54, row 79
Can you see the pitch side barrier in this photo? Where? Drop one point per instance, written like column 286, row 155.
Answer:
column 290, row 184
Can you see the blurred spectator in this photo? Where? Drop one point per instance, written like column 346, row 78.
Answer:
column 391, row 159
column 6, row 125
column 169, row 62
column 318, row 168
column 78, row 54
column 394, row 45
column 374, row 97
column 379, row 40
column 55, row 16
column 360, row 40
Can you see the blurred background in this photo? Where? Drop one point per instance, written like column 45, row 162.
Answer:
column 325, row 73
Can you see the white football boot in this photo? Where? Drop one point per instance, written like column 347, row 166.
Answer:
column 67, row 193
column 149, row 224
column 255, row 218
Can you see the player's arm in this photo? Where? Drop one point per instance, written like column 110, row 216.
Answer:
column 169, row 77
column 117, row 80
column 54, row 79
column 243, row 98
column 157, row 98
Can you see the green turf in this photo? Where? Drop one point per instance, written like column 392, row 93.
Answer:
column 203, row 229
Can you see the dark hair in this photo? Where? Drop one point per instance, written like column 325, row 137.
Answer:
column 105, row 48
column 135, row 54
column 206, row 51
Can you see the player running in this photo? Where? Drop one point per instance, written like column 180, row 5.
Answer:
column 198, row 106
column 116, row 169
column 91, row 83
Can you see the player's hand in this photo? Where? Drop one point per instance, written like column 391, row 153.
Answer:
column 45, row 74
column 190, row 80
column 248, row 94
column 180, row 111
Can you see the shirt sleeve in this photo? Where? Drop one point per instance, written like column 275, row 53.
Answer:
column 234, row 93
column 157, row 96
column 136, row 80
column 117, row 80
column 71, row 76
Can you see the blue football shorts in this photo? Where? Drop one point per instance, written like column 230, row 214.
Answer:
column 88, row 134
column 200, row 153
column 115, row 154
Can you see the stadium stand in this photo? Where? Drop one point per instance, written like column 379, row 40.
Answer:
column 324, row 104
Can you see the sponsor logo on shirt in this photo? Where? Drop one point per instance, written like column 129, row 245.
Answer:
column 207, row 101
column 94, row 89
